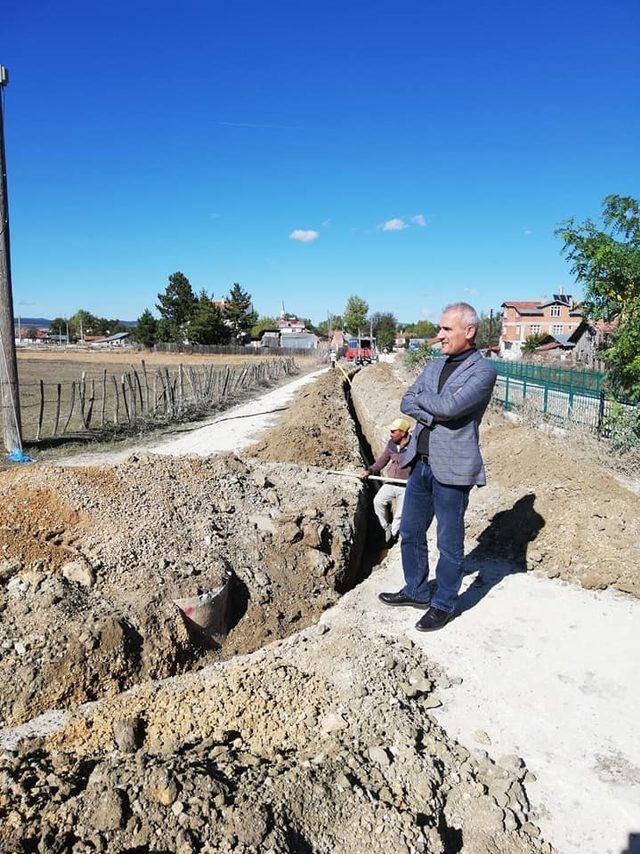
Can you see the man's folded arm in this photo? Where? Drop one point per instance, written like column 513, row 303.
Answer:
column 451, row 404
column 410, row 405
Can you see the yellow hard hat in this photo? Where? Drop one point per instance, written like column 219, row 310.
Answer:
column 400, row 424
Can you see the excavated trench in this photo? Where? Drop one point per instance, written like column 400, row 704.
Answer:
column 321, row 741
column 118, row 574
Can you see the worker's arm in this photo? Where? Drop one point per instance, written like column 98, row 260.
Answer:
column 453, row 402
column 379, row 464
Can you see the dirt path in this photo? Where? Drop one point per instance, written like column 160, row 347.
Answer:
column 548, row 674
column 233, row 430
column 549, row 669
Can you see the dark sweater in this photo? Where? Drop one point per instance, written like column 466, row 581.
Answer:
column 451, row 363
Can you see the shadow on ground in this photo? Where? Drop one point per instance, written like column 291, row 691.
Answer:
column 501, row 550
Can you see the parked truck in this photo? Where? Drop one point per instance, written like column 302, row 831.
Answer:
column 361, row 350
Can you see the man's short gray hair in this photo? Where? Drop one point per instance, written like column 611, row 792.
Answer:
column 468, row 314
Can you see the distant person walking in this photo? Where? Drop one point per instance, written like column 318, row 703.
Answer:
column 448, row 401
column 393, row 456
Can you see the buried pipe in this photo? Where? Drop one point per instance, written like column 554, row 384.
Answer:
column 206, row 612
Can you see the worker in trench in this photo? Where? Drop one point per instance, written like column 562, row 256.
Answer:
column 390, row 497
column 448, row 401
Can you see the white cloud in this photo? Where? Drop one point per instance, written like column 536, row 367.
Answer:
column 303, row 235
column 395, row 224
column 419, row 219
column 527, row 232
column 472, row 292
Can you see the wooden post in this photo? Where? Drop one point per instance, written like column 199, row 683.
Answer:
column 146, row 383
column 81, row 393
column 116, row 401
column 91, row 402
column 57, row 421
column 71, row 405
column 103, row 406
column 9, row 388
column 41, row 414
column 124, row 399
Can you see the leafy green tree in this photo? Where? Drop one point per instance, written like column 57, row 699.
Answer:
column 606, row 262
column 355, row 314
column 384, row 328
column 532, row 342
column 238, row 313
column 207, row 324
column 261, row 324
column 82, row 323
column 422, row 329
column 58, row 326
column 176, row 305
column 147, row 329
column 489, row 329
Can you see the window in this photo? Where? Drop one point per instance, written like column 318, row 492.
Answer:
column 518, row 331
column 534, row 329
column 556, row 329
column 555, row 311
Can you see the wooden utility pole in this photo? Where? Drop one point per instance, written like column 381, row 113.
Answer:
column 9, row 390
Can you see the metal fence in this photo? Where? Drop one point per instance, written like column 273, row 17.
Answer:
column 586, row 408
column 104, row 402
column 576, row 380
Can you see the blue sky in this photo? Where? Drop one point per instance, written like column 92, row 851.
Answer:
column 213, row 138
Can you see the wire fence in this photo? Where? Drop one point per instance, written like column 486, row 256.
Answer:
column 105, row 402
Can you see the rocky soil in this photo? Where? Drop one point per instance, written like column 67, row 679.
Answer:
column 93, row 559
column 547, row 505
column 320, row 741
column 291, row 749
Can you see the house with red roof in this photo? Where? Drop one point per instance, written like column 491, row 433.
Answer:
column 559, row 316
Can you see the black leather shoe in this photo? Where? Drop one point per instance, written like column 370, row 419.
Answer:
column 433, row 620
column 401, row 598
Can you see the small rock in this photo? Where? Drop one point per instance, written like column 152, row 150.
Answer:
column 380, row 756
column 482, row 737
column 430, row 702
column 79, row 572
column 8, row 568
column 332, row 722
column 128, row 734
column 20, row 648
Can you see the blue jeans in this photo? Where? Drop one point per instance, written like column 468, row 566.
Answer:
column 425, row 498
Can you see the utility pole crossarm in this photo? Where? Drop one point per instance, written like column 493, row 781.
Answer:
column 9, row 389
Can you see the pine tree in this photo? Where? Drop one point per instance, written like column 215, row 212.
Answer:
column 176, row 305
column 237, row 312
column 207, row 325
column 146, row 329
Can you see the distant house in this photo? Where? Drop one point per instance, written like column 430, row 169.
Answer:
column 31, row 336
column 120, row 339
column 559, row 316
column 291, row 334
column 590, row 338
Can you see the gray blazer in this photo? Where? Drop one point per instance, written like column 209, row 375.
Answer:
column 454, row 415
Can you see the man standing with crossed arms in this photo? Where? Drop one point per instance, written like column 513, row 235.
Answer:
column 448, row 401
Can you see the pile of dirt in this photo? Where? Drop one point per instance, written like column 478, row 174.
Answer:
column 317, row 431
column 93, row 560
column 548, row 504
column 300, row 747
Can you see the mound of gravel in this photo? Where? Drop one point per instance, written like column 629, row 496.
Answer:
column 301, row 746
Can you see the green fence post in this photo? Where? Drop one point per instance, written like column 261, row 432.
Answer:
column 545, row 399
column 506, row 393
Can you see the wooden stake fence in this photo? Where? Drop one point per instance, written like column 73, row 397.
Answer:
column 139, row 397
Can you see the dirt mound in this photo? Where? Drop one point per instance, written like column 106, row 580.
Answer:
column 90, row 579
column 291, row 749
column 548, row 504
column 317, row 431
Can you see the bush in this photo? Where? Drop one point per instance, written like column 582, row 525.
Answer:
column 418, row 358
column 623, row 428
